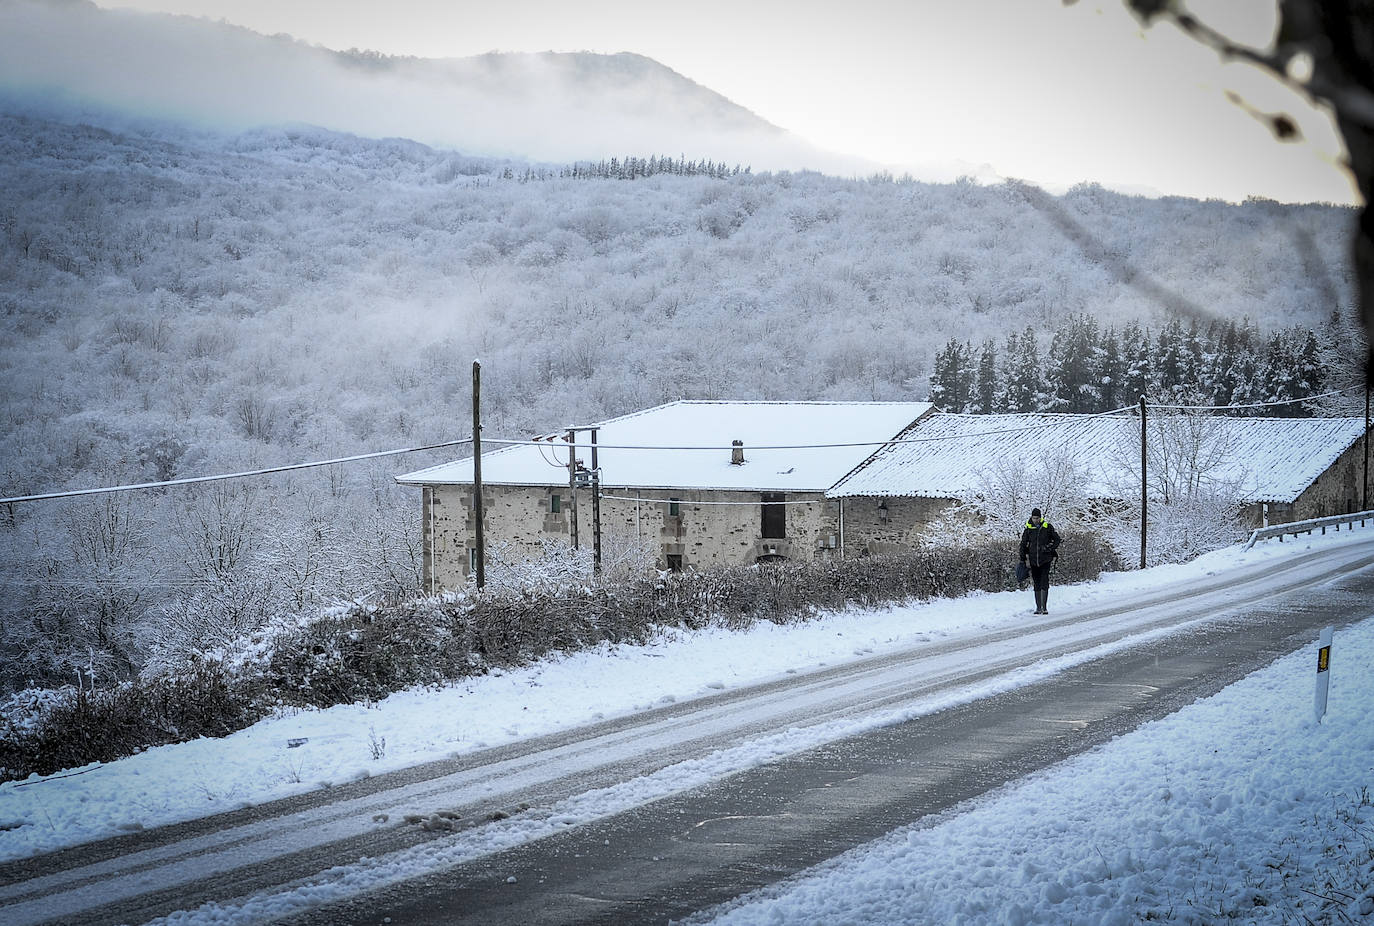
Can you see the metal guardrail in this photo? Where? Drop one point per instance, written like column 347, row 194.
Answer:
column 1307, row 527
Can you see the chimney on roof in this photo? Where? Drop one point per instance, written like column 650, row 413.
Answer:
column 736, row 453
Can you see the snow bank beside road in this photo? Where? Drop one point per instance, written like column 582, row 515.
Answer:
column 1237, row 807
column 184, row 781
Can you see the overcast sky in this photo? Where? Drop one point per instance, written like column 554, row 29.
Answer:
column 1031, row 88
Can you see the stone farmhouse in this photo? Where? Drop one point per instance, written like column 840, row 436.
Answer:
column 721, row 483
column 703, row 484
column 1279, row 469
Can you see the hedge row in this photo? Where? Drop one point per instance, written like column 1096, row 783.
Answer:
column 357, row 653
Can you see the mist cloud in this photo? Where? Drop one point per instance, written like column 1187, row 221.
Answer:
column 542, row 107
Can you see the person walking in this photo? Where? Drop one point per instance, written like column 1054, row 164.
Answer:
column 1039, row 547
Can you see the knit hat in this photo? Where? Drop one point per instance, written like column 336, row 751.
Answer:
column 1035, row 512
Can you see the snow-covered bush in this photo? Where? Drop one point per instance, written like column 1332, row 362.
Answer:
column 213, row 618
column 623, row 558
column 75, row 727
column 559, row 566
column 354, row 652
column 1005, row 491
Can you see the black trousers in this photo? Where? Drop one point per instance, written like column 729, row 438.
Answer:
column 1040, row 578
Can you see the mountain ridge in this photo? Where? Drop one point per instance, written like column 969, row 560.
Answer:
column 541, row 106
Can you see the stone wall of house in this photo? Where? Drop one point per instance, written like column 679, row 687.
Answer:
column 517, row 518
column 1339, row 490
column 709, row 528
column 886, row 525
column 715, row 528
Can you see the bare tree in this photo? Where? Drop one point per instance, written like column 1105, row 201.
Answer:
column 300, row 554
column 1047, row 477
column 1195, row 499
column 86, row 619
column 213, row 618
column 214, row 526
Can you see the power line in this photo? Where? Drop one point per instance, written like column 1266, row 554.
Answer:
column 546, row 443
column 103, row 490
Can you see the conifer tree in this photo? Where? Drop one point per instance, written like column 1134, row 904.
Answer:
column 1280, row 377
column 1110, row 374
column 1168, row 360
column 1191, row 386
column 1308, row 372
column 985, row 391
column 1025, row 382
column 1248, row 389
column 1138, row 377
column 1223, row 373
column 1070, row 370
column 1011, row 348
column 952, row 378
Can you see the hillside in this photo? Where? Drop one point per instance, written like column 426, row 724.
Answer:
column 156, row 281
column 182, row 301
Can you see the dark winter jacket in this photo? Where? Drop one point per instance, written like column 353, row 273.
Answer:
column 1039, row 545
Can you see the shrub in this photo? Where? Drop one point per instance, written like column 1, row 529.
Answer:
column 347, row 654
column 76, row 726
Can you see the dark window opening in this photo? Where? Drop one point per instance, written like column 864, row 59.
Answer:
column 674, row 509
column 555, row 504
column 774, row 516
column 674, row 562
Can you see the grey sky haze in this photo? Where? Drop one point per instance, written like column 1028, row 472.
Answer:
column 1030, row 88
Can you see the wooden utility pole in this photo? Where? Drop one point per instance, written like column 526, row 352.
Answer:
column 1364, row 499
column 1144, row 494
column 572, row 486
column 481, row 563
column 596, row 508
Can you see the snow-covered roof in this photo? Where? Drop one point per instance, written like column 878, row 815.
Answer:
column 947, row 456
column 865, row 426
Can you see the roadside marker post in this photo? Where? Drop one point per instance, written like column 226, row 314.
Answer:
column 1323, row 671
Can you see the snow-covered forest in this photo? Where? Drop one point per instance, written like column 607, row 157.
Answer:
column 178, row 302
column 1087, row 370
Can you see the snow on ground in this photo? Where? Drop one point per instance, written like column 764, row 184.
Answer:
column 1238, row 808
column 1200, row 808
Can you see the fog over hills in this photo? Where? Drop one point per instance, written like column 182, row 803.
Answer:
column 543, row 107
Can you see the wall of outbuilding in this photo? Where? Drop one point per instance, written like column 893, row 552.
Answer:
column 711, row 528
column 1339, row 490
column 884, row 525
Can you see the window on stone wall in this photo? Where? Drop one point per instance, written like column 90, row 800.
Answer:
column 774, row 516
column 674, row 508
column 555, row 504
column 674, row 562
column 472, row 559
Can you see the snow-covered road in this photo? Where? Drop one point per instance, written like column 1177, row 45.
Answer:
column 357, row 839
